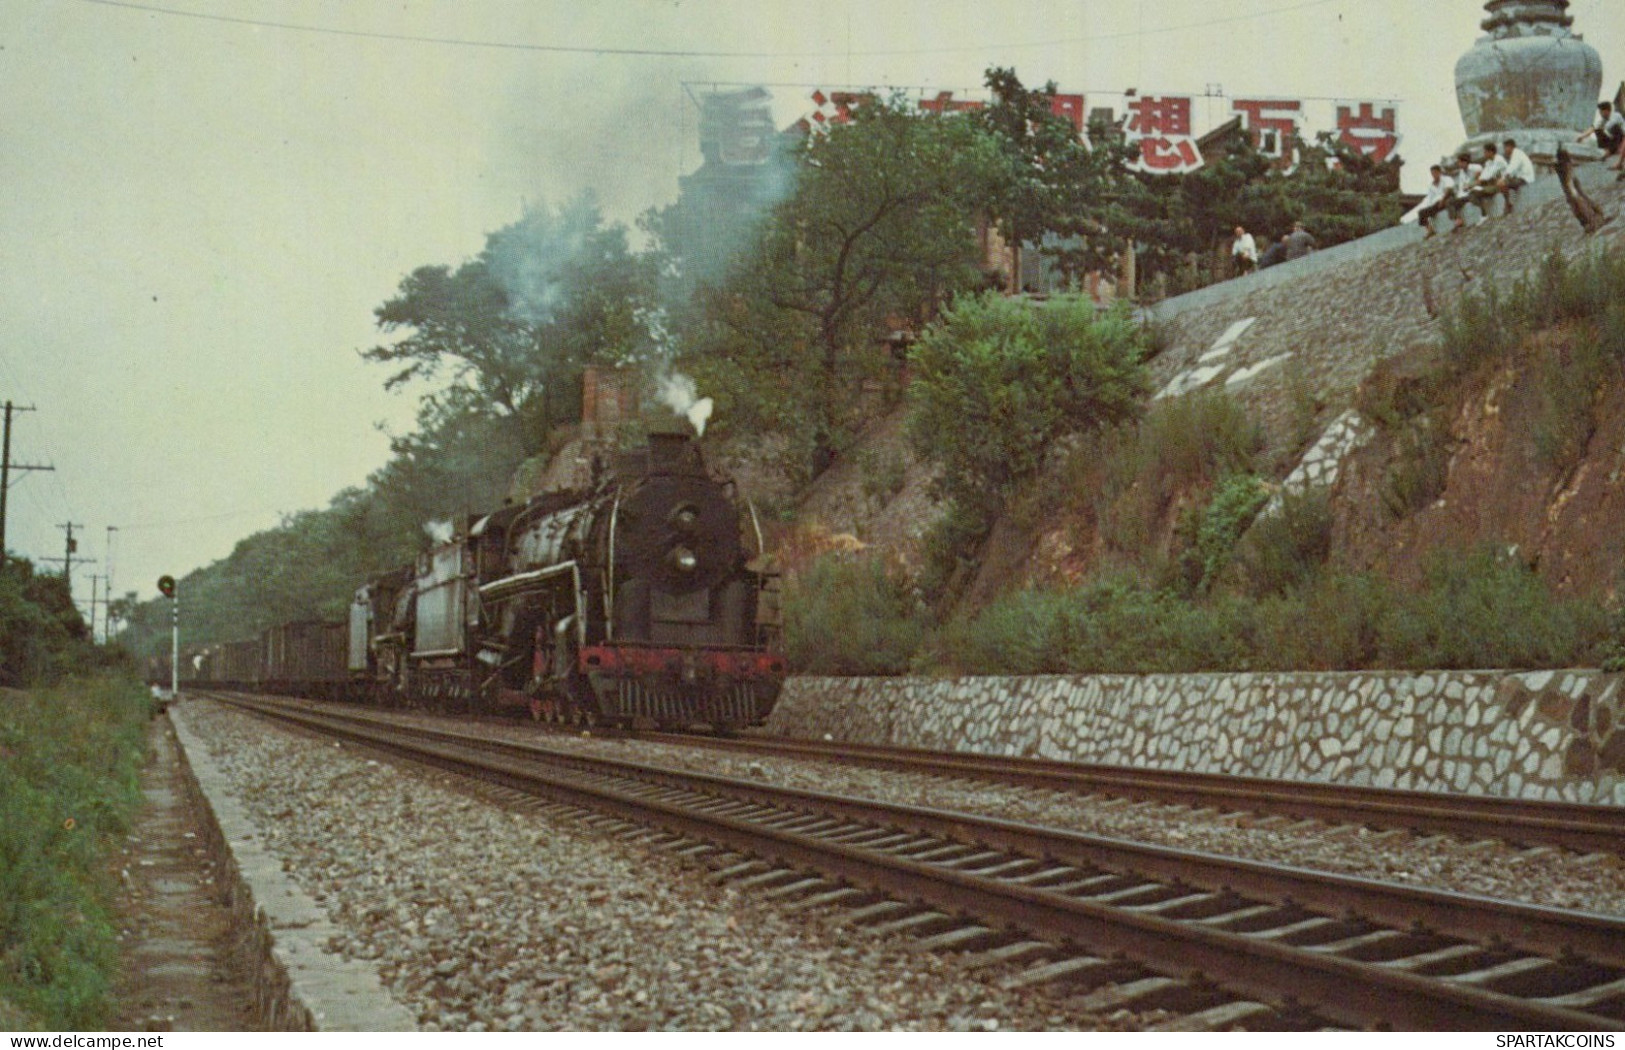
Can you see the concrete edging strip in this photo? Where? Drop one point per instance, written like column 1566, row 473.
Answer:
column 300, row 986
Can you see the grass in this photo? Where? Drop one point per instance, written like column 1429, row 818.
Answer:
column 69, row 759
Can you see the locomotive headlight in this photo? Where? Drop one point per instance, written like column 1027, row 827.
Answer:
column 683, row 559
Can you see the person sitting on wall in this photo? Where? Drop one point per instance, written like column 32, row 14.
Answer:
column 1440, row 198
column 1299, row 242
column 1520, row 172
column 1244, row 252
column 1466, row 178
column 1610, row 131
column 1275, row 253
column 1492, row 168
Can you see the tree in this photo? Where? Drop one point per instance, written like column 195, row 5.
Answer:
column 880, row 225
column 516, row 325
column 1338, row 193
column 997, row 381
column 1058, row 191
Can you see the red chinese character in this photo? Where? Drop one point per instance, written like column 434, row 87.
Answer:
column 1272, row 122
column 945, row 103
column 1160, row 116
column 1367, row 132
column 1071, row 108
column 1168, row 156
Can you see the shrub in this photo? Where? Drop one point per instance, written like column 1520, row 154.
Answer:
column 1420, row 468
column 1133, row 472
column 67, row 789
column 1284, row 550
column 1476, row 610
column 1234, row 503
column 1569, row 382
column 1486, row 609
column 850, row 616
column 997, row 380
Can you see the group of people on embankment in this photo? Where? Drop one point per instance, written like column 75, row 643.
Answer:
column 1294, row 244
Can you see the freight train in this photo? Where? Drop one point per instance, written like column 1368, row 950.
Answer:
column 644, row 598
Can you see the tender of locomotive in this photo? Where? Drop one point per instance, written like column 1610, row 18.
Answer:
column 641, row 599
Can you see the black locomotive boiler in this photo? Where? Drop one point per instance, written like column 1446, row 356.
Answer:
column 642, row 599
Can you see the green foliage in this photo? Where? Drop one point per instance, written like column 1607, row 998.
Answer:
column 846, row 616
column 1055, row 191
column 1284, row 550
column 67, row 789
column 1338, row 194
column 1475, row 610
column 42, row 636
column 997, row 380
column 879, row 226
column 1130, row 474
column 1234, row 503
column 1613, row 651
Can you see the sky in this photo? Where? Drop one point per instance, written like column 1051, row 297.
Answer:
column 204, row 201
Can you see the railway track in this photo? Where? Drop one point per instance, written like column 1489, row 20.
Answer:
column 1107, row 922
column 1582, row 828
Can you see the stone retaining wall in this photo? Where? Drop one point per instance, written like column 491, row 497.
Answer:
column 1538, row 735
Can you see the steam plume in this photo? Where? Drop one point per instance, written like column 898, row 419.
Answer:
column 678, row 391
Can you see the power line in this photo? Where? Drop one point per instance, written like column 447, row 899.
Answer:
column 636, row 52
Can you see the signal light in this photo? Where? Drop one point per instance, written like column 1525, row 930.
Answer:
column 166, row 586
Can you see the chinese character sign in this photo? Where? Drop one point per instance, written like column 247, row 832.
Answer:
column 1162, row 127
column 1273, row 125
column 1069, row 107
column 831, row 108
column 1368, row 131
column 946, row 103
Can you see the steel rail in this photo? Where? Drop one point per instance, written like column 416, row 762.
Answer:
column 1577, row 826
column 1342, row 988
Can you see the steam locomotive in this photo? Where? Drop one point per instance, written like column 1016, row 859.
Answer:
column 644, row 598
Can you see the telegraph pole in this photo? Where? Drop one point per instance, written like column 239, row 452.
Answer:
column 6, row 467
column 107, row 577
column 95, row 582
column 69, row 550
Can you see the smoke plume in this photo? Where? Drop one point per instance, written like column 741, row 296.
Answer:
column 677, row 391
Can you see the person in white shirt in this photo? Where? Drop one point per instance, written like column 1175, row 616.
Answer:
column 1520, row 172
column 1466, row 178
column 1244, row 251
column 1610, row 131
column 1440, row 197
column 1490, row 182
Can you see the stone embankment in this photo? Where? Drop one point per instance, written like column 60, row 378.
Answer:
column 1535, row 735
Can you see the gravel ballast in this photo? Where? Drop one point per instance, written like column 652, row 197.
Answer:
column 485, row 918
column 1552, row 877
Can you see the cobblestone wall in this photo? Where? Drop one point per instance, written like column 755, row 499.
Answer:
column 1547, row 734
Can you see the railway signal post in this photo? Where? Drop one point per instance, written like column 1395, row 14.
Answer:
column 166, row 587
